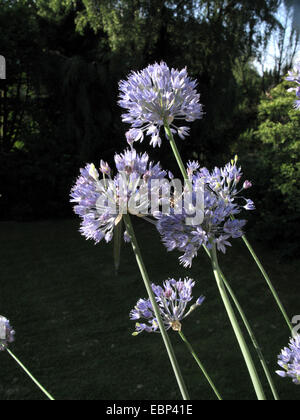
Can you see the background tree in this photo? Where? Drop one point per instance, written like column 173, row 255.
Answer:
column 271, row 154
column 286, row 42
column 18, row 45
column 295, row 6
column 65, row 59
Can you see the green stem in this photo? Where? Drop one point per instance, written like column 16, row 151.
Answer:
column 165, row 337
column 176, row 152
column 221, row 285
column 235, row 325
column 250, row 332
column 268, row 280
column 30, row 376
column 190, row 348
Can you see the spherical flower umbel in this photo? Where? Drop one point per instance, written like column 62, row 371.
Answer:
column 173, row 299
column 7, row 334
column 155, row 96
column 289, row 360
column 101, row 203
column 222, row 201
column 294, row 76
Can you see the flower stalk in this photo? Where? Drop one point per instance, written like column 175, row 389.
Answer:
column 221, row 284
column 251, row 333
column 269, row 283
column 237, row 330
column 49, row 396
column 191, row 350
column 176, row 151
column 166, row 339
column 240, row 310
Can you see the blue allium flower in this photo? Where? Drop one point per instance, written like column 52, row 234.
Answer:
column 222, row 200
column 158, row 95
column 289, row 360
column 172, row 300
column 7, row 334
column 102, row 203
column 294, row 76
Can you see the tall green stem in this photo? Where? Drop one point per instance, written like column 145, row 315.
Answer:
column 256, row 259
column 235, row 325
column 190, row 348
column 221, row 285
column 268, row 280
column 30, row 376
column 176, row 151
column 166, row 339
column 250, row 332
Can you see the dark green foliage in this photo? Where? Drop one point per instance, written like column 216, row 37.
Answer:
column 271, row 154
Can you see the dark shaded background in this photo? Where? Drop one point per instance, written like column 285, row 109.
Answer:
column 59, row 102
column 71, row 314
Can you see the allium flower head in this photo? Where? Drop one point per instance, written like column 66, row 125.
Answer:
column 289, row 360
column 222, row 200
column 294, row 76
column 101, row 203
column 7, row 334
column 155, row 96
column 173, row 299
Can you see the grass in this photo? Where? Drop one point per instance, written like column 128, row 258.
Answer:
column 73, row 331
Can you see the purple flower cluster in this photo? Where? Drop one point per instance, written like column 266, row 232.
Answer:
column 172, row 300
column 289, row 360
column 222, row 201
column 7, row 334
column 155, row 96
column 294, row 76
column 102, row 203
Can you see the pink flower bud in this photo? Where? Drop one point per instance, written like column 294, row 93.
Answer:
column 247, row 184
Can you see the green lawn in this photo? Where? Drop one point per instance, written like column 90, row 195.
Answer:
column 73, row 330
